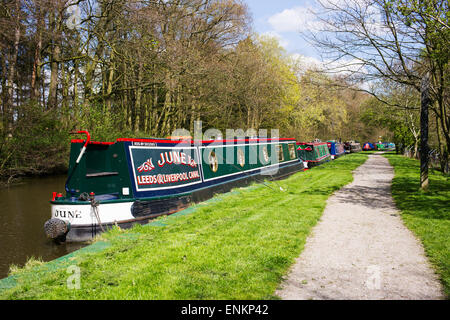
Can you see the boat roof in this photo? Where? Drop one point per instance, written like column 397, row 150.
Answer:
column 178, row 141
column 312, row 143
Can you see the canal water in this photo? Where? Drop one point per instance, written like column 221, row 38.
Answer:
column 24, row 208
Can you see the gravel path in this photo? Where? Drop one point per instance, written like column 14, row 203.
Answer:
column 360, row 248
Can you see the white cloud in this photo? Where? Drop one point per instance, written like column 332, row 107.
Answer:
column 358, row 10
column 303, row 18
column 293, row 20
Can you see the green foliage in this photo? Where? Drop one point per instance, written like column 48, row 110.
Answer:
column 38, row 144
column 320, row 111
column 102, row 125
column 427, row 214
column 30, row 264
column 402, row 123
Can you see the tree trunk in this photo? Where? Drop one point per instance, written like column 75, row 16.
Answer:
column 416, row 148
column 34, row 92
column 54, row 65
column 443, row 153
column 424, row 106
column 9, row 112
column 110, row 84
column 139, row 125
column 76, row 104
column 4, row 92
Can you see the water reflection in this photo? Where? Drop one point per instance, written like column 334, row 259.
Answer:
column 24, row 208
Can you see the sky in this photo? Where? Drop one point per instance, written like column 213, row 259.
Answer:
column 284, row 19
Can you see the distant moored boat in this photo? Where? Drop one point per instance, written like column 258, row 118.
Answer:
column 368, row 146
column 313, row 153
column 355, row 147
column 336, row 149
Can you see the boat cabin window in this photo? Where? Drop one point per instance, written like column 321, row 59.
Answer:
column 98, row 160
column 265, row 154
column 292, row 151
column 213, row 163
column 241, row 157
column 280, row 153
column 321, row 152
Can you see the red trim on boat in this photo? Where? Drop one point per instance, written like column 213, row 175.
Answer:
column 181, row 141
column 153, row 140
column 249, row 140
column 311, row 143
column 91, row 142
column 202, row 141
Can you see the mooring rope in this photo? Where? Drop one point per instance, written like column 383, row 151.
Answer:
column 94, row 205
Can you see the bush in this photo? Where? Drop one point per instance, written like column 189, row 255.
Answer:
column 37, row 144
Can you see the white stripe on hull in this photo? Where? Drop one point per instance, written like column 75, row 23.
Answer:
column 84, row 214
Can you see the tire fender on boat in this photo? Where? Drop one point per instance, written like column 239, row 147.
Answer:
column 56, row 229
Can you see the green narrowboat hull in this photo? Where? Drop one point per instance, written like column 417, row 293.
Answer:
column 313, row 153
column 134, row 180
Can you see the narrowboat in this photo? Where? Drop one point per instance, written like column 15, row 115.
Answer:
column 347, row 147
column 368, row 146
column 336, row 149
column 352, row 147
column 385, row 146
column 313, row 153
column 390, row 146
column 355, row 147
column 132, row 181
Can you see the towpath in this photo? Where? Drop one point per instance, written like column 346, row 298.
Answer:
column 360, row 249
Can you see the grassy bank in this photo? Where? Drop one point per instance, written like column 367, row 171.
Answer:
column 427, row 214
column 236, row 246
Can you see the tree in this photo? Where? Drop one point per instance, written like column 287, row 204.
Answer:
column 402, row 122
column 400, row 41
